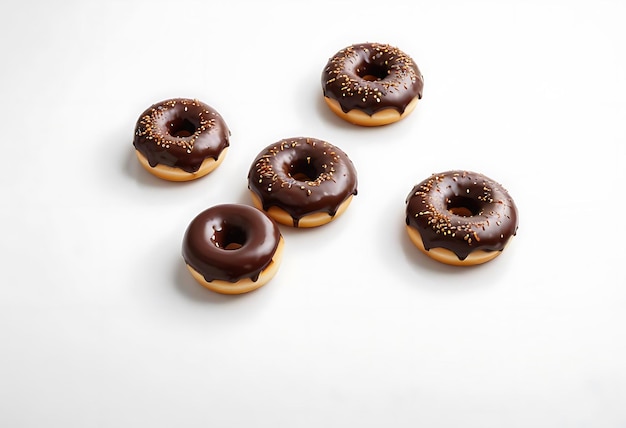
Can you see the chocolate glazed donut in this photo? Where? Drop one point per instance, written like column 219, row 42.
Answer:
column 302, row 182
column 372, row 84
column 181, row 139
column 232, row 248
column 460, row 217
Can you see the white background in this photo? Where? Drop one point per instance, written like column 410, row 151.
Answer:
column 102, row 326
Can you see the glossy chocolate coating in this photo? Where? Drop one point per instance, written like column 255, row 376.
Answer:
column 462, row 211
column 302, row 176
column 180, row 133
column 371, row 77
column 212, row 233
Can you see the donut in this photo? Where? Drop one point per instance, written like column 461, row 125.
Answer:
column 232, row 248
column 302, row 182
column 460, row 217
column 372, row 84
column 181, row 139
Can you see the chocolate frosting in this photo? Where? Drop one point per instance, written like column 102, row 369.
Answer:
column 180, row 133
column 230, row 242
column 371, row 77
column 302, row 176
column 462, row 211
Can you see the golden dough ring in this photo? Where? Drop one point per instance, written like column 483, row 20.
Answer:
column 448, row 257
column 380, row 118
column 311, row 220
column 244, row 285
column 171, row 173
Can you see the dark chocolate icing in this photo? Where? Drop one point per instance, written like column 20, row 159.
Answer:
column 180, row 133
column 462, row 211
column 371, row 77
column 302, row 176
column 230, row 242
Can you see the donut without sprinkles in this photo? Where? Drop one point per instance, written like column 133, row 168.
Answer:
column 232, row 248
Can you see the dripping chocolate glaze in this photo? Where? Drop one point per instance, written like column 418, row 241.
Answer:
column 392, row 79
column 462, row 211
column 302, row 176
column 180, row 133
column 208, row 241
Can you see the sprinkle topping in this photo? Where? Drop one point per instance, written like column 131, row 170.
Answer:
column 157, row 124
column 270, row 173
column 302, row 176
column 372, row 77
column 180, row 133
column 462, row 211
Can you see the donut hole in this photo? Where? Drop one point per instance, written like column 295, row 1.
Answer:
column 304, row 170
column 463, row 206
column 229, row 237
column 372, row 72
column 181, row 127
